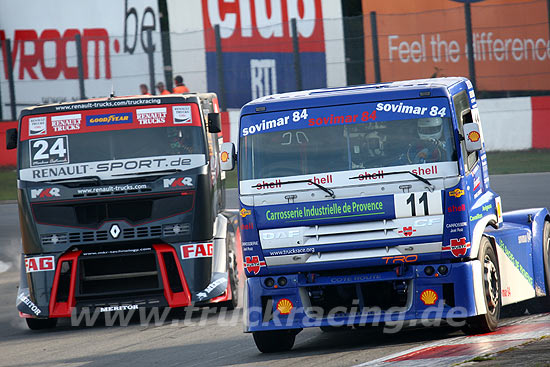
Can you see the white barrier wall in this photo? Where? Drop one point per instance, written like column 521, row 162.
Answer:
column 506, row 123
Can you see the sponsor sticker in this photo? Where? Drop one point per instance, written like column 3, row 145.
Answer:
column 182, row 114
column 66, row 122
column 456, row 193
column 211, row 287
column 400, row 259
column 30, row 304
column 252, row 264
column 119, row 308
column 407, row 231
column 178, row 182
column 454, row 208
column 284, row 306
column 473, row 136
column 42, row 263
column 197, row 250
column 46, row 193
column 109, row 119
column 149, row 116
column 458, row 246
column 524, row 238
column 102, row 168
column 247, row 226
column 429, row 297
column 38, row 126
column 224, row 156
column 245, row 212
column 46, row 151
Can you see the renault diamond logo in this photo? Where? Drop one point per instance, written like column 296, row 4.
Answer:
column 115, row 230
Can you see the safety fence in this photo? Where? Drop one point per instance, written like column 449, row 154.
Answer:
column 251, row 52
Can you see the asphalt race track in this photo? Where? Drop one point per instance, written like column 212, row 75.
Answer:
column 207, row 338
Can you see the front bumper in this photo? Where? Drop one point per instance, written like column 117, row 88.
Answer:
column 116, row 280
column 360, row 298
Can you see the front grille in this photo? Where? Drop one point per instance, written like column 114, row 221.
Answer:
column 53, row 238
column 89, row 237
column 91, row 213
column 142, row 232
column 176, row 229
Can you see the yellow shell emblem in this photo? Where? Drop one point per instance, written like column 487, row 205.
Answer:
column 225, row 157
column 474, row 136
column 245, row 212
column 429, row 297
column 284, row 306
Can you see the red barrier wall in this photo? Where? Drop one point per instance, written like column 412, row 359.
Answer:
column 7, row 157
column 541, row 121
column 226, row 126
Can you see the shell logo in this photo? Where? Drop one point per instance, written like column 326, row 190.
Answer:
column 284, row 306
column 429, row 297
column 245, row 212
column 224, row 157
column 473, row 136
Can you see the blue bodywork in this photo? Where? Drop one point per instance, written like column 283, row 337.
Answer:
column 464, row 205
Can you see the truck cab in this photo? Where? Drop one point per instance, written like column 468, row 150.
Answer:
column 122, row 205
column 373, row 204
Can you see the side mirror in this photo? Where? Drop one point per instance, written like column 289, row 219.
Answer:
column 228, row 156
column 11, row 139
column 214, row 122
column 472, row 137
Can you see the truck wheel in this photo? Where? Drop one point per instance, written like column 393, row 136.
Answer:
column 542, row 304
column 491, row 289
column 274, row 341
column 41, row 324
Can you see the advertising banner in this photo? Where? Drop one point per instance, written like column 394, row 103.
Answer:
column 423, row 39
column 114, row 49
column 257, row 45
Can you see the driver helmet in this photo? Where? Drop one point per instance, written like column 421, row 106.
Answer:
column 430, row 128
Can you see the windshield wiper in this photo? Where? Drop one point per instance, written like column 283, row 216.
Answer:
column 77, row 179
column 165, row 171
column 420, row 178
column 330, row 192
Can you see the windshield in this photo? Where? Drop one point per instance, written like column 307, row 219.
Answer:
column 99, row 143
column 350, row 137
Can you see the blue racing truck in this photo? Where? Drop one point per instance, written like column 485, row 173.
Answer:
column 372, row 204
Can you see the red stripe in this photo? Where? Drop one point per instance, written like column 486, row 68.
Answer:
column 541, row 122
column 226, row 127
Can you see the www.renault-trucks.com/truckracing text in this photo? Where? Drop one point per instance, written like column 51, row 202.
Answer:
column 122, row 206
column 372, row 204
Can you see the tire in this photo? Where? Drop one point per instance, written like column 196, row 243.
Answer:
column 542, row 304
column 274, row 341
column 41, row 324
column 491, row 290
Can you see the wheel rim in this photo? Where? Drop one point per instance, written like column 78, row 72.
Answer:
column 491, row 284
